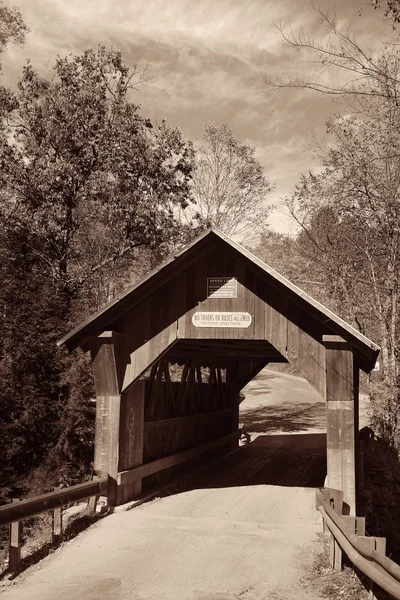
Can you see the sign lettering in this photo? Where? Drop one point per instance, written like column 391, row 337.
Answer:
column 221, row 287
column 222, row 319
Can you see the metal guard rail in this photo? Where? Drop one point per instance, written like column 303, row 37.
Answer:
column 375, row 565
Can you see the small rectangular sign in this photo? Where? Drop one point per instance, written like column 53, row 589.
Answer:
column 222, row 319
column 221, row 287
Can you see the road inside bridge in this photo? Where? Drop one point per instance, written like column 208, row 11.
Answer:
column 242, row 529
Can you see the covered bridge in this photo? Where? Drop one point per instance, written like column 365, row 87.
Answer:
column 171, row 354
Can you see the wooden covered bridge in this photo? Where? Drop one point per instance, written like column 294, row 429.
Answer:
column 171, row 354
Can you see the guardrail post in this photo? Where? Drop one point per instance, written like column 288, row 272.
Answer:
column 92, row 500
column 14, row 552
column 335, row 554
column 373, row 543
column 56, row 522
column 360, row 525
column 92, row 503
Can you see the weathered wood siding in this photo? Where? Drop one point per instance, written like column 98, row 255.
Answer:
column 131, row 437
column 206, row 416
column 152, row 326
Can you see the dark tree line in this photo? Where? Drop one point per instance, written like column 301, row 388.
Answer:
column 89, row 189
column 92, row 195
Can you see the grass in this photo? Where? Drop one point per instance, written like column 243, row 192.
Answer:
column 334, row 585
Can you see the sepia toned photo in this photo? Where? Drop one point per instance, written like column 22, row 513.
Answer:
column 199, row 300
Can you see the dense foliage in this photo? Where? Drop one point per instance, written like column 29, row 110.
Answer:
column 349, row 211
column 89, row 188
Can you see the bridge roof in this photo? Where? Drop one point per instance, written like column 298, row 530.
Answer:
column 195, row 252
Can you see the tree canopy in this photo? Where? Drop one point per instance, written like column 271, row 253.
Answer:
column 87, row 183
column 12, row 26
column 349, row 210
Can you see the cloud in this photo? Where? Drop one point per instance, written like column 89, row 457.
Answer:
column 205, row 63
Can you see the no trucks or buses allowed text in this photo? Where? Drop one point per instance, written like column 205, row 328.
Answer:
column 221, row 319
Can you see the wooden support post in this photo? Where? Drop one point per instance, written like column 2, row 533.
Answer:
column 373, row 543
column 234, row 395
column 131, row 438
column 56, row 525
column 107, row 372
column 338, row 559
column 335, row 553
column 14, row 550
column 92, row 503
column 340, row 392
column 360, row 526
column 56, row 522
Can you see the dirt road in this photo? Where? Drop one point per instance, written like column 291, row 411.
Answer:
column 243, row 529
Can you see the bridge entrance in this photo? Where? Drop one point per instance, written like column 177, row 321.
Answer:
column 171, row 355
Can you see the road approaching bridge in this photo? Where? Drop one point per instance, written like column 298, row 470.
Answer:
column 170, row 357
column 243, row 528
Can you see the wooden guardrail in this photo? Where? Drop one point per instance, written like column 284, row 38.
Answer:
column 137, row 473
column 12, row 514
column 368, row 554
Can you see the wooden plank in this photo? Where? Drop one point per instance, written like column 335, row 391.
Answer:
column 360, row 525
column 333, row 339
column 31, row 507
column 246, row 279
column 131, row 438
column 234, row 400
column 169, row 461
column 340, row 371
column 104, row 364
column 56, row 525
column 305, row 352
column 186, row 419
column 259, row 309
column 150, row 330
column 182, row 302
column 276, row 325
column 108, row 400
column 15, row 543
column 341, row 451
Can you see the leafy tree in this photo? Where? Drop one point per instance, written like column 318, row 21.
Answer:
column 229, row 186
column 86, row 175
column 392, row 9
column 86, row 183
column 349, row 213
column 350, row 216
column 12, row 26
column 292, row 257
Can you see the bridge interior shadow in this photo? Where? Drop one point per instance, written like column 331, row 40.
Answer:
column 297, row 460
column 285, row 460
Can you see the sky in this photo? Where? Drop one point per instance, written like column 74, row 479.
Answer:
column 205, row 61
